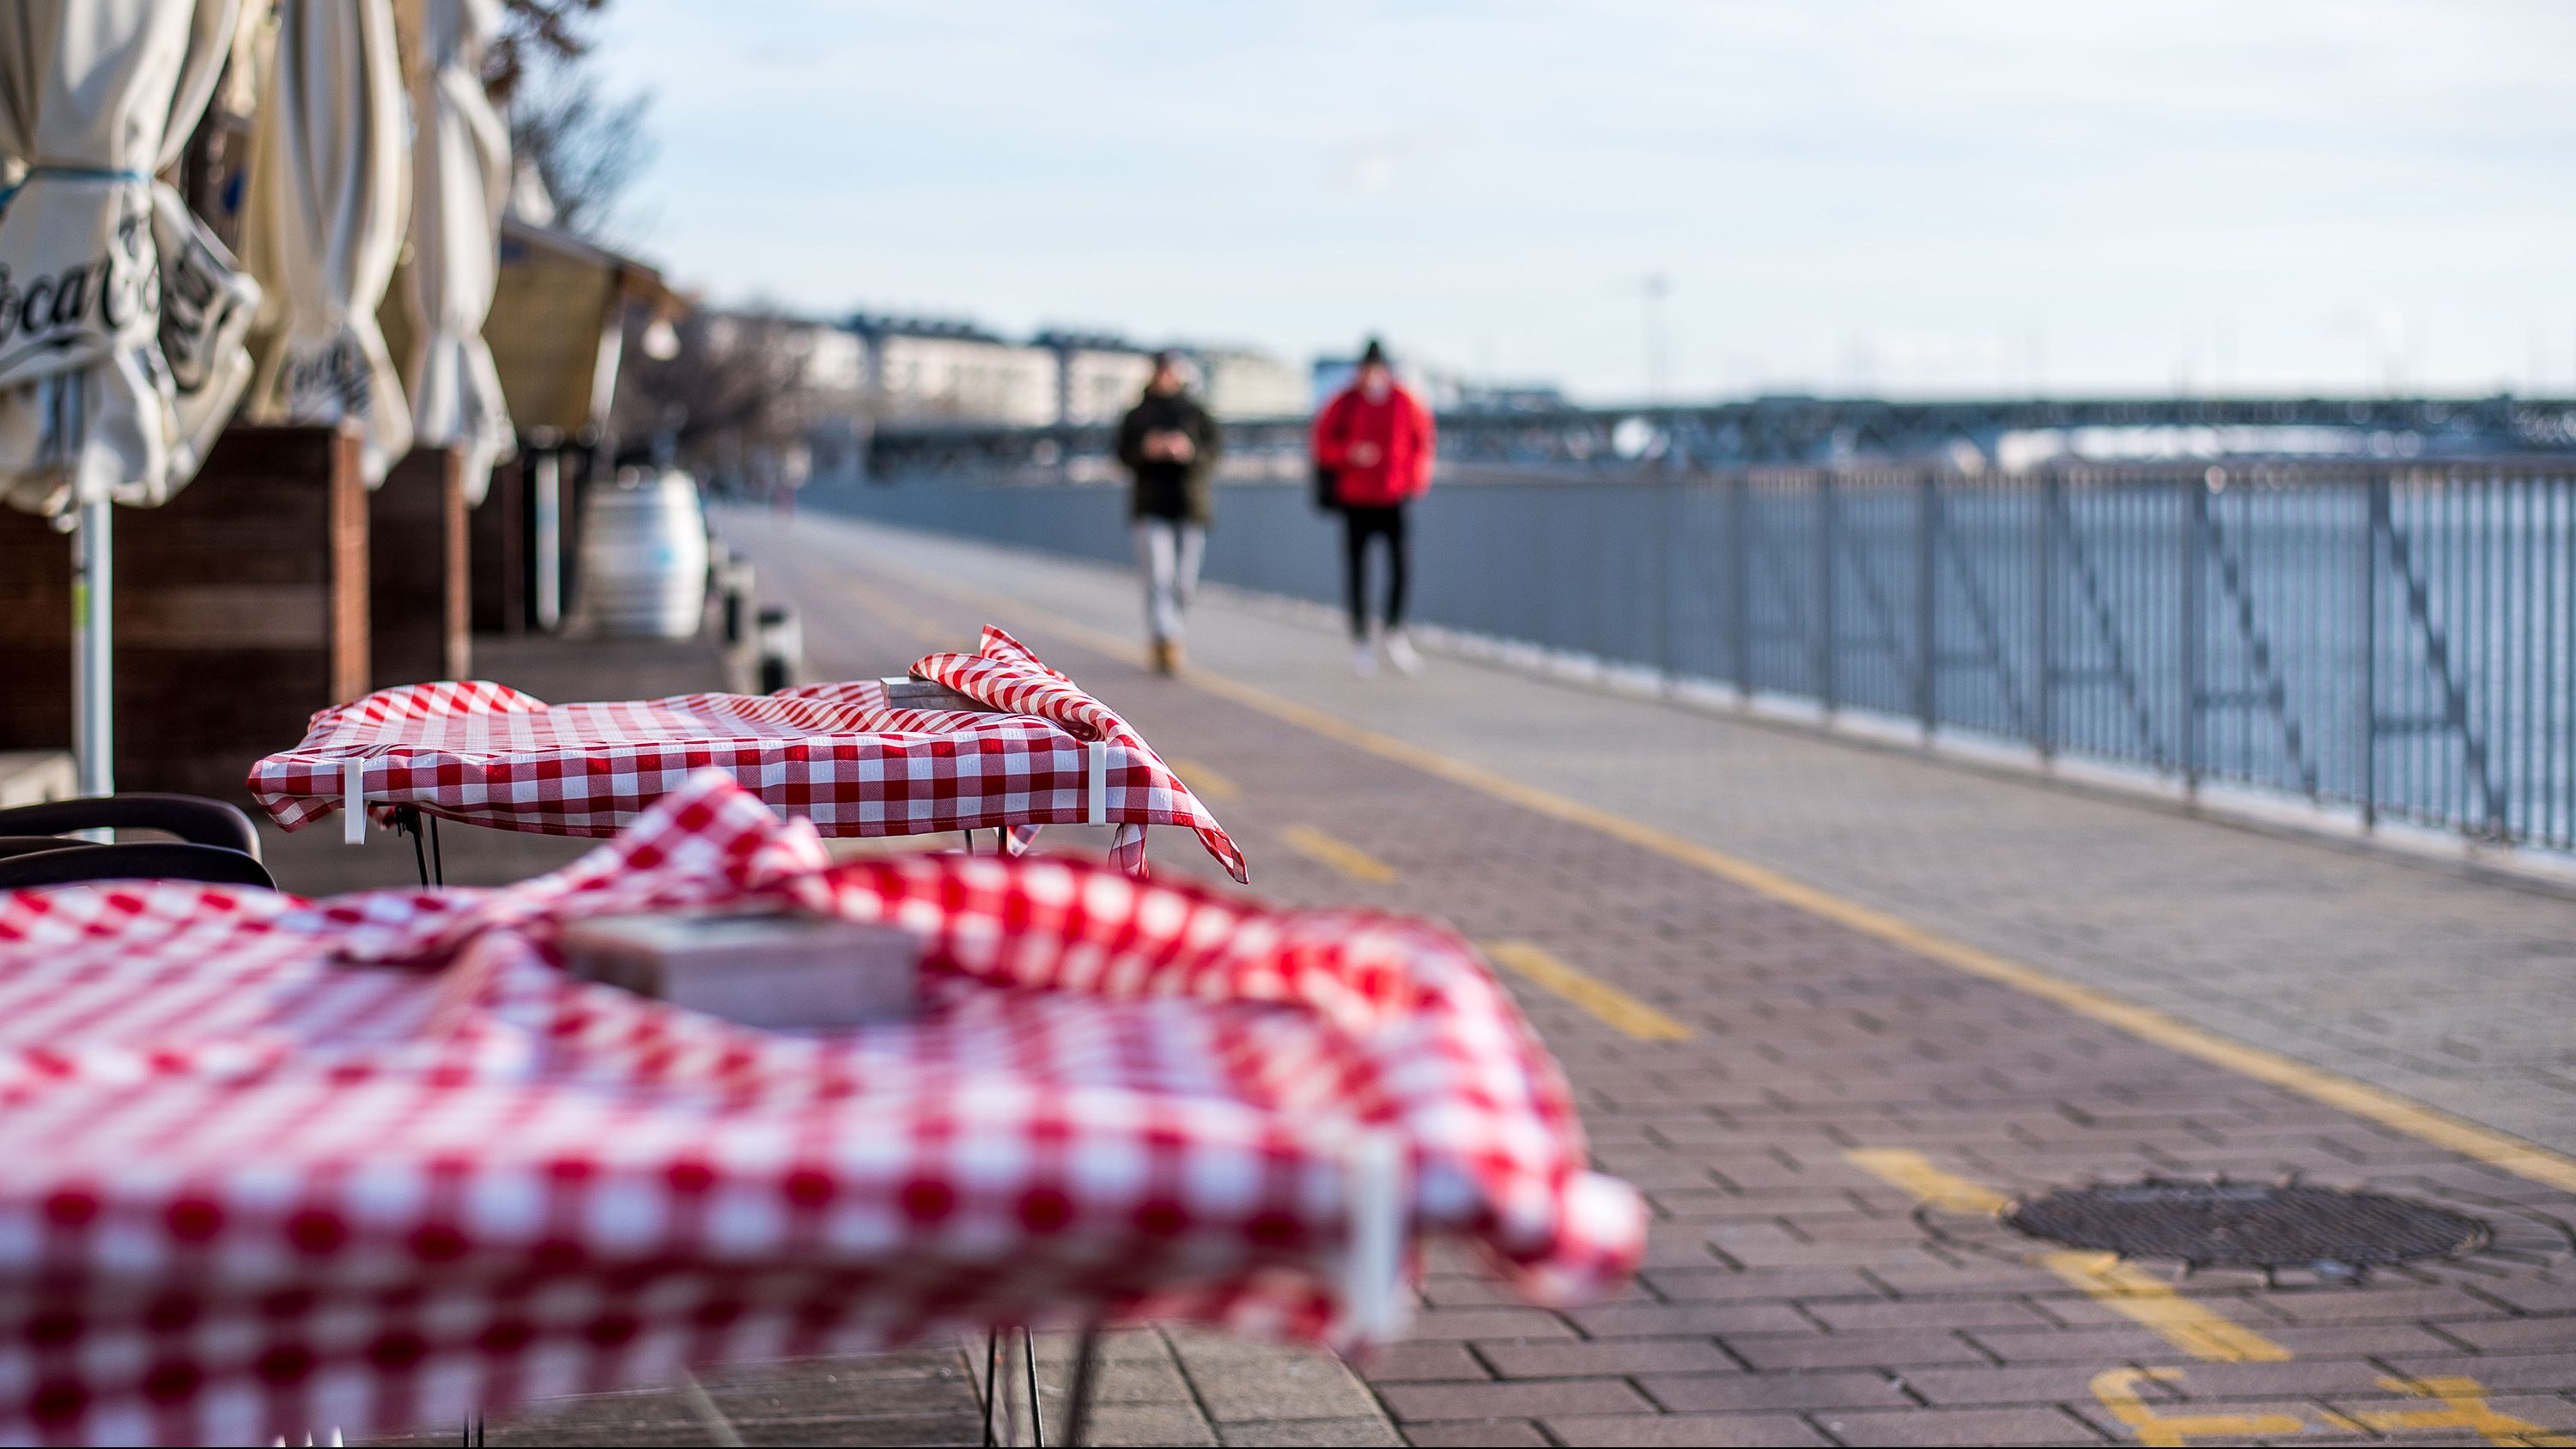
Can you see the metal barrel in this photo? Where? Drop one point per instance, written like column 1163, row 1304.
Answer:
column 644, row 558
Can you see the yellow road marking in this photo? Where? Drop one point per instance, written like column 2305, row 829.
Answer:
column 1205, row 783
column 1338, row 855
column 1602, row 999
column 1931, row 1186
column 875, row 601
column 2377, row 1104
column 2118, row 1391
column 2464, row 1406
column 2195, row 1328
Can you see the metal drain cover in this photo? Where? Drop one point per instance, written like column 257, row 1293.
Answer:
column 2249, row 1225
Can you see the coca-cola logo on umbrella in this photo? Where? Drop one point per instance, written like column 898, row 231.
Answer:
column 61, row 309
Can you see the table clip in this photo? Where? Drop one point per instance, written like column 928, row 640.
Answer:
column 1098, row 788
column 353, row 800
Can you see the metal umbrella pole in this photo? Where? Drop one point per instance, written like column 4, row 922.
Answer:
column 94, row 647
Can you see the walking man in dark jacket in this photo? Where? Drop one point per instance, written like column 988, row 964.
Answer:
column 1171, row 445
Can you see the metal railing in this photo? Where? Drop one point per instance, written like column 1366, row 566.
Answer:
column 1801, row 430
column 2398, row 642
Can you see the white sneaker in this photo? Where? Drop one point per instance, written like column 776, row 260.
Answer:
column 1399, row 652
column 1364, row 661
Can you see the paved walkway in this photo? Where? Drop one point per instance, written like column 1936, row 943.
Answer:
column 2457, row 993
column 1825, row 1005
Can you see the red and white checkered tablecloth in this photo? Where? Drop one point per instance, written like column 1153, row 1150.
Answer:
column 271, row 1166
column 835, row 754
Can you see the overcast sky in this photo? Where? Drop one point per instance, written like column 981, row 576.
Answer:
column 1920, row 196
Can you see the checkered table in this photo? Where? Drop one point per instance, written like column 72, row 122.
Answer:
column 1041, row 752
column 374, row 1162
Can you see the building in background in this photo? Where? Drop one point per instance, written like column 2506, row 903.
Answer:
column 921, row 370
column 1098, row 376
column 1240, row 383
column 869, row 371
column 1443, row 390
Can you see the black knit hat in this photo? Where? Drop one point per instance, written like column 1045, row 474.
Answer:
column 1374, row 353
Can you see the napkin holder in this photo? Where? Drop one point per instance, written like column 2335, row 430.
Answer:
column 776, row 971
column 902, row 691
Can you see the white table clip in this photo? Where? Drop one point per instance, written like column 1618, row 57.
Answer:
column 353, row 800
column 1373, row 1267
column 1098, row 787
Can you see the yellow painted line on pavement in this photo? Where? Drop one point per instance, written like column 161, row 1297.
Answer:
column 2377, row 1104
column 1204, row 782
column 2194, row 1327
column 1608, row 1002
column 887, row 611
column 2118, row 1391
column 2464, row 1406
column 1334, row 854
column 2124, row 1288
column 1931, row 1186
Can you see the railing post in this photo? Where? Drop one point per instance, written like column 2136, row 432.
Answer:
column 2043, row 698
column 1820, row 657
column 1668, row 576
column 1927, row 633
column 2195, row 542
column 2366, row 733
column 1739, row 583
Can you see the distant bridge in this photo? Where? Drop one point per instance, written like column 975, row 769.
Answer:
column 1818, row 430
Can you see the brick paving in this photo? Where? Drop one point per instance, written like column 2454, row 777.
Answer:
column 1793, row 1296
column 2452, row 991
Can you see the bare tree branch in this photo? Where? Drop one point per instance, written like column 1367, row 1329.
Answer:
column 588, row 151
column 738, row 389
column 537, row 35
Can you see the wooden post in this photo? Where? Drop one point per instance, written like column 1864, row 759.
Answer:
column 417, row 570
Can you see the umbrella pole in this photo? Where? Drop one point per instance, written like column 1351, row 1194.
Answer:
column 93, row 648
column 549, row 539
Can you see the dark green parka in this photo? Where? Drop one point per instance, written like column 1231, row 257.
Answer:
column 1165, row 489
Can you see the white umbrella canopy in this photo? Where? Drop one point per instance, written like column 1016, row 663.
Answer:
column 106, row 282
column 460, row 182
column 101, row 268
column 323, row 223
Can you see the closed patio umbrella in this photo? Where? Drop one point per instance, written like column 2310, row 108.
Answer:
column 323, row 223
column 111, row 381
column 460, row 180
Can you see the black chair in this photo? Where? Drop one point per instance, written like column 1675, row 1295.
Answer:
column 76, row 862
column 217, row 844
column 193, row 819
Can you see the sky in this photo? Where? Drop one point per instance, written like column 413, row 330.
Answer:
column 1918, row 197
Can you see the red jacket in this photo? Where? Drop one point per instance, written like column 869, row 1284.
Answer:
column 1402, row 430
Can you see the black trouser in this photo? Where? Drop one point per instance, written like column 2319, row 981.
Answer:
column 1359, row 525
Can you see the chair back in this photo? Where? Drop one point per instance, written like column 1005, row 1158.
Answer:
column 191, row 818
column 155, row 860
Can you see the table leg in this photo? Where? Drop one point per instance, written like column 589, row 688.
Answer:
column 992, row 1381
column 407, row 820
column 437, row 857
column 1037, row 1412
column 1086, row 1367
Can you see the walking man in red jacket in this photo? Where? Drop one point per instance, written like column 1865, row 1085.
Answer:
column 1376, row 439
